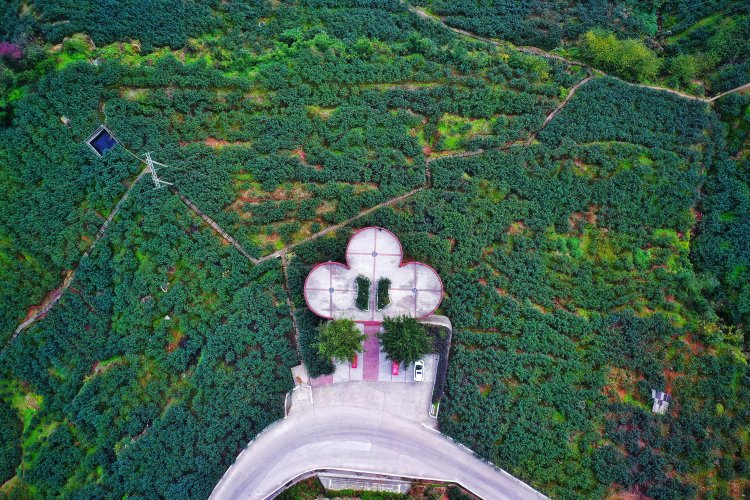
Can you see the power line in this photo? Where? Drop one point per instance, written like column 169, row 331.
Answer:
column 152, row 167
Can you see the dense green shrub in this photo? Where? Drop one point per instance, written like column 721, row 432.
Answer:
column 404, row 340
column 630, row 59
column 10, row 442
column 384, row 286
column 315, row 363
column 363, row 292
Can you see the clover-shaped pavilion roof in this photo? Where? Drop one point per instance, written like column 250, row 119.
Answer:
column 330, row 289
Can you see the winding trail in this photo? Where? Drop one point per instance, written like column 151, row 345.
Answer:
column 543, row 53
column 736, row 89
column 214, row 225
column 338, row 226
column 549, row 118
column 292, row 311
column 54, row 297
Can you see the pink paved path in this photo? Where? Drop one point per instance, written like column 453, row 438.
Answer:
column 371, row 356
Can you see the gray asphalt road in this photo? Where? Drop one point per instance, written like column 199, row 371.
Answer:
column 359, row 440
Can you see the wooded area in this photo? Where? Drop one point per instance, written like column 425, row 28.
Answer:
column 700, row 46
column 606, row 258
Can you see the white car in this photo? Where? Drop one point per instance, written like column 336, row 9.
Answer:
column 419, row 371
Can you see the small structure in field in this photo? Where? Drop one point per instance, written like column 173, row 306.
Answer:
column 661, row 401
column 102, row 140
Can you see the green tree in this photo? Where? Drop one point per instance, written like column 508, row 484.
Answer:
column 683, row 68
column 340, row 339
column 630, row 58
column 404, row 339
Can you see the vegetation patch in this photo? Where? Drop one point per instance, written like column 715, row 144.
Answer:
column 384, row 298
column 363, row 292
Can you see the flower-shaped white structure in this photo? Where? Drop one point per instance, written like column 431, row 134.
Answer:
column 331, row 290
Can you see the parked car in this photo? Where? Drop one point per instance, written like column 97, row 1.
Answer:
column 354, row 360
column 394, row 369
column 419, row 371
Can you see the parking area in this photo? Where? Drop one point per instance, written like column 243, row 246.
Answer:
column 346, row 373
column 406, row 398
column 371, row 384
column 372, row 364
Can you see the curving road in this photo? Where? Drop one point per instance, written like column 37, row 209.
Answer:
column 359, row 440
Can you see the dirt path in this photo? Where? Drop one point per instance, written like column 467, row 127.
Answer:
column 292, row 312
column 736, row 89
column 559, row 108
column 214, row 225
column 543, row 53
column 338, row 226
column 54, row 297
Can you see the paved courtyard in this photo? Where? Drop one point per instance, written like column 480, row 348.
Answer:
column 370, row 383
column 330, row 288
column 407, row 399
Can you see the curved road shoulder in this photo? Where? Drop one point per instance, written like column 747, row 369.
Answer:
column 364, row 441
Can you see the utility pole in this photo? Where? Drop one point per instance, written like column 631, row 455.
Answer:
column 151, row 166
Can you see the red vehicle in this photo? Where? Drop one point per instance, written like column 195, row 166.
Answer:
column 354, row 361
column 394, row 369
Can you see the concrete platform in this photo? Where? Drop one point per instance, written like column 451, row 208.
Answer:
column 416, row 289
column 406, row 398
column 358, row 482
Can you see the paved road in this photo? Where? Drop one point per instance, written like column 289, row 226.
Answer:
column 359, row 440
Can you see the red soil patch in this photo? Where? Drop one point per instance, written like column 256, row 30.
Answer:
column 210, row 141
column 177, row 337
column 695, row 346
column 427, row 150
column 301, row 153
column 54, row 294
column 576, row 218
column 517, row 227
column 735, row 488
column 620, row 383
column 482, row 281
column 215, row 143
column 670, row 376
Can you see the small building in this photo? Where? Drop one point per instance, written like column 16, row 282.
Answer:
column 102, row 140
column 661, row 401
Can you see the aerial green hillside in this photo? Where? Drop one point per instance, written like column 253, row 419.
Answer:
column 593, row 235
